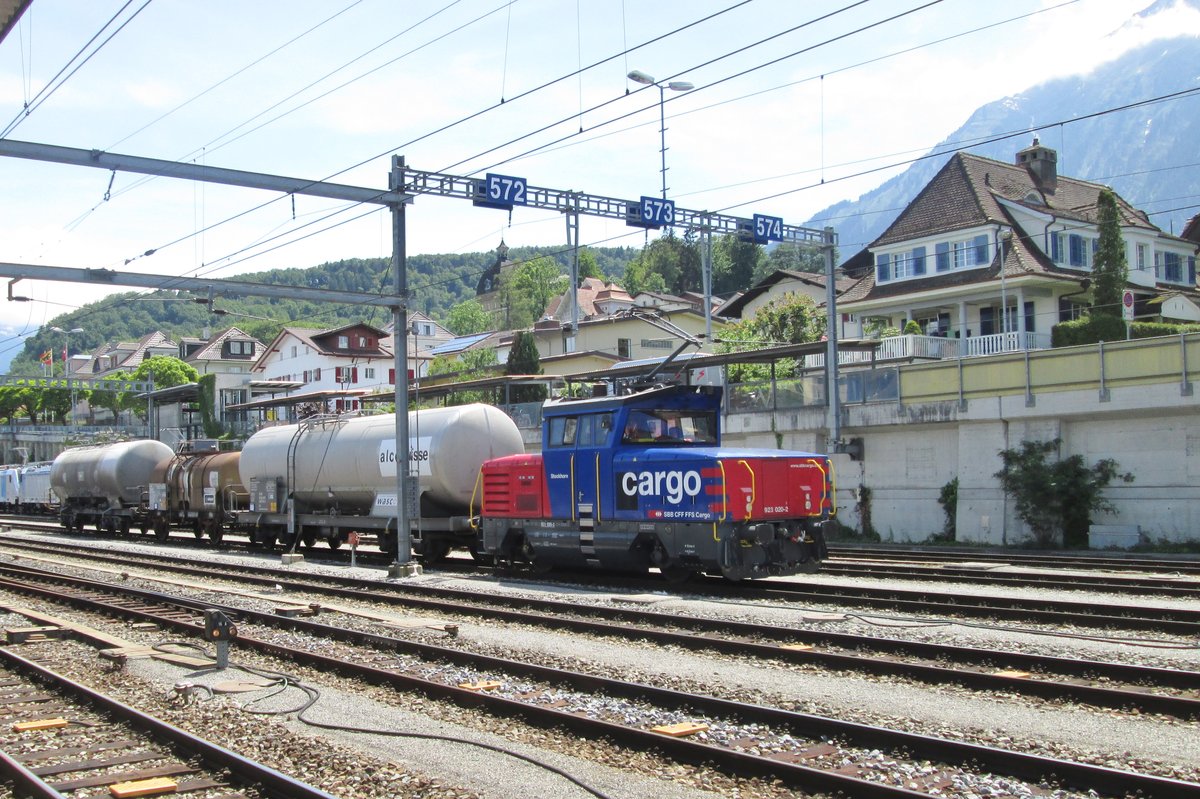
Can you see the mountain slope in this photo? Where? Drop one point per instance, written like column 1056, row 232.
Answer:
column 1146, row 154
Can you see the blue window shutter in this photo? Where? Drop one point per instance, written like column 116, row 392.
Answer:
column 1076, row 242
column 1055, row 248
column 942, row 256
column 1191, row 278
column 981, row 250
column 882, row 273
column 918, row 260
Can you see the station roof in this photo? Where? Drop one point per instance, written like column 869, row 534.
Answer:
column 707, row 360
column 297, row 399
column 10, row 14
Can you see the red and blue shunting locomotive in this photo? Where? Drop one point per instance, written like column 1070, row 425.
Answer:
column 628, row 482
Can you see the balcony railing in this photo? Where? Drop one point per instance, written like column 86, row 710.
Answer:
column 936, row 348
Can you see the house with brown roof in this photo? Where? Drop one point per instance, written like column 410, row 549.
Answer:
column 124, row 356
column 779, row 285
column 336, row 365
column 996, row 254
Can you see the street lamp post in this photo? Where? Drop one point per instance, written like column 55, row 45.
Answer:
column 637, row 76
column 66, row 365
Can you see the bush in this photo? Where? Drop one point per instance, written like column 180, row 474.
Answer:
column 948, row 499
column 1087, row 330
column 911, row 328
column 1056, row 498
column 1152, row 329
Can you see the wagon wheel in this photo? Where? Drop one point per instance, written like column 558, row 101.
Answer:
column 434, row 551
column 677, row 574
column 68, row 521
column 123, row 526
column 161, row 531
column 308, row 539
column 336, row 540
column 198, row 529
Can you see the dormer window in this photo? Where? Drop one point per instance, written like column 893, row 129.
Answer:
column 947, row 255
column 343, row 342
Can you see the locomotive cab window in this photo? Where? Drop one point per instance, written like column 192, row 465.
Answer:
column 563, row 431
column 670, row 426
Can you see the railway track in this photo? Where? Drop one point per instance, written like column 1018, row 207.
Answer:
column 796, row 749
column 59, row 736
column 1183, row 565
column 1113, row 685
column 950, row 602
column 1179, row 588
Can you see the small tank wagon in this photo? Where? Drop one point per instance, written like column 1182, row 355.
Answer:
column 198, row 487
column 340, row 474
column 625, row 483
column 106, row 485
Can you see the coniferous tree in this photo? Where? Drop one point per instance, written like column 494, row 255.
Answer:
column 523, row 359
column 1110, row 271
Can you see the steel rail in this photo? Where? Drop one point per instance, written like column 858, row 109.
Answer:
column 267, row 779
column 1174, row 589
column 1020, row 765
column 1189, row 564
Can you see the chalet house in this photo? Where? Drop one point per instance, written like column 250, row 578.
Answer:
column 781, row 284
column 125, row 356
column 984, row 236
column 335, row 366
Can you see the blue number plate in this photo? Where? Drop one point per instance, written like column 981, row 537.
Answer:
column 501, row 191
column 657, row 212
column 767, row 228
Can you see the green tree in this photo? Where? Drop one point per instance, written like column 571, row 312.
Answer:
column 468, row 317
column 793, row 319
column 523, row 359
column 470, row 365
column 1056, row 498
column 640, row 276
column 735, row 264
column 111, row 400
column 165, row 371
column 796, row 258
column 528, row 288
column 588, row 265
column 1110, row 271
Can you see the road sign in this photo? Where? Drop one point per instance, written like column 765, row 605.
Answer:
column 1127, row 305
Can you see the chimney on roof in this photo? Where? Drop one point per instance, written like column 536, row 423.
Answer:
column 1041, row 163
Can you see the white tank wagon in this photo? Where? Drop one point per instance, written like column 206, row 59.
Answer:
column 341, row 474
column 105, row 485
column 36, row 496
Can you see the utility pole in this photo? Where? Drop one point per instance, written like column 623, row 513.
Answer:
column 402, row 566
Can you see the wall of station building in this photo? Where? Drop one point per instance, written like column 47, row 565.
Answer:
column 912, row 451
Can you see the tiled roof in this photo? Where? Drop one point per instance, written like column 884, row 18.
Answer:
column 211, row 350
column 965, row 194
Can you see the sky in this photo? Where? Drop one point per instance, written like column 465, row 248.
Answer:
column 790, row 101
